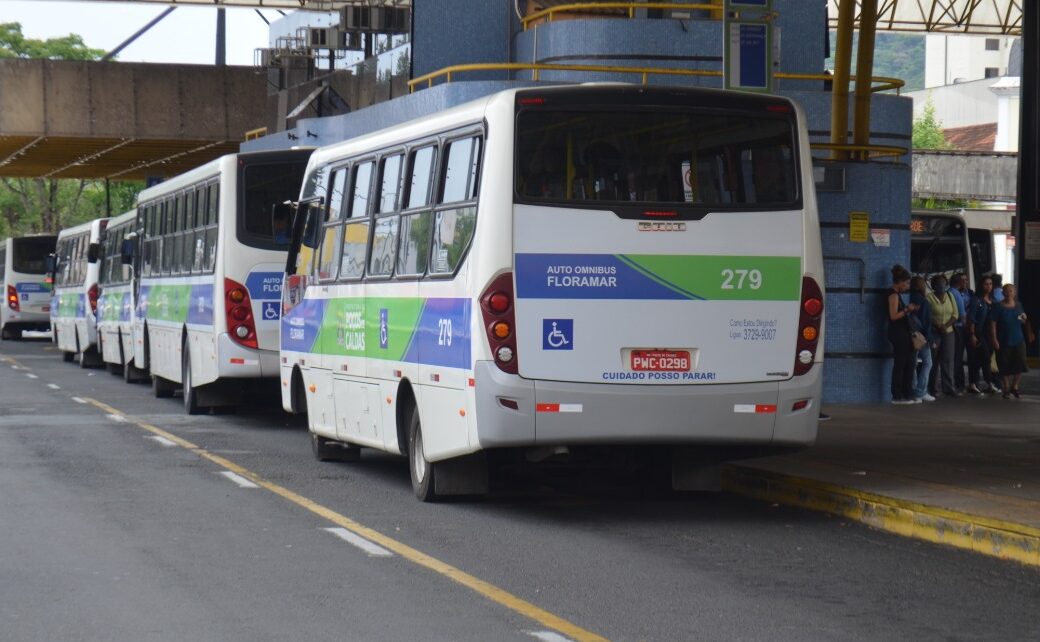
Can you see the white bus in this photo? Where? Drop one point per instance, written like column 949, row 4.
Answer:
column 548, row 269
column 25, row 284
column 942, row 243
column 115, row 310
column 75, row 295
column 212, row 254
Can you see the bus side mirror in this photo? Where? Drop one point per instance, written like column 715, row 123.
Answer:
column 126, row 252
column 93, row 252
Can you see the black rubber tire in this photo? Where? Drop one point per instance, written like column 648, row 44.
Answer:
column 162, row 388
column 68, row 357
column 90, row 358
column 191, row 395
column 423, row 473
column 7, row 334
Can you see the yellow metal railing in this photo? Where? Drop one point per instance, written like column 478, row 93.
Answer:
column 630, row 7
column 884, row 83
column 863, row 152
column 253, row 134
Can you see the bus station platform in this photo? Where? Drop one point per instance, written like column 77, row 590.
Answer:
column 959, row 471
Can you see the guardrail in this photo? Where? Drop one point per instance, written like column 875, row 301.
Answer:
column 862, row 152
column 884, row 83
column 630, row 7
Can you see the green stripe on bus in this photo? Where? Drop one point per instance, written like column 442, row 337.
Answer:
column 725, row 278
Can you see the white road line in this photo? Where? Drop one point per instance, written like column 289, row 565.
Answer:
column 239, row 480
column 16, row 367
column 78, row 400
column 162, row 440
column 373, row 550
column 548, row 636
column 53, row 386
column 119, row 419
column 31, row 375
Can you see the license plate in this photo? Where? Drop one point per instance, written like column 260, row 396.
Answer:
column 661, row 360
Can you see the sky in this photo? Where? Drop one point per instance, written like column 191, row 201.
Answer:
column 188, row 35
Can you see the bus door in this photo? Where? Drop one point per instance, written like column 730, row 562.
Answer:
column 980, row 240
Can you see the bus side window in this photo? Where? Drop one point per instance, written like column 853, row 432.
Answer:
column 212, row 226
column 415, row 227
column 453, row 227
column 355, row 233
column 333, row 230
column 384, row 238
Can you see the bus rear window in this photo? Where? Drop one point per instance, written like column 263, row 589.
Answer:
column 675, row 157
column 265, row 186
column 30, row 254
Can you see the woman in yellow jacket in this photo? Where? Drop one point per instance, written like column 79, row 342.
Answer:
column 944, row 316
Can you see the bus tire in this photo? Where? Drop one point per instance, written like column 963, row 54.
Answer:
column 191, row 394
column 422, row 471
column 162, row 388
column 68, row 357
column 329, row 450
column 90, row 358
column 7, row 334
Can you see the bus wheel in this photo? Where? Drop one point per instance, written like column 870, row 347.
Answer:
column 329, row 450
column 422, row 471
column 162, row 388
column 7, row 334
column 191, row 395
column 68, row 357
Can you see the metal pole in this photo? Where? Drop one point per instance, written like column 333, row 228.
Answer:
column 1027, row 255
column 840, row 85
column 137, row 34
column 864, row 71
column 221, row 38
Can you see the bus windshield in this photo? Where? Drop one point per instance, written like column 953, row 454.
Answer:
column 30, row 254
column 938, row 244
column 265, row 187
column 681, row 157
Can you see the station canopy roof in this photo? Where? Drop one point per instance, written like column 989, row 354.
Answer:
column 306, row 5
column 993, row 17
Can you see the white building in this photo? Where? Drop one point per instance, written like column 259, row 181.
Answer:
column 955, row 58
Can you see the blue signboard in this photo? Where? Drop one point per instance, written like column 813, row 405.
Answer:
column 748, row 56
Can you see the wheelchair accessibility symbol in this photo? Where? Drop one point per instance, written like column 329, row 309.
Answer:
column 557, row 334
column 271, row 310
column 384, row 331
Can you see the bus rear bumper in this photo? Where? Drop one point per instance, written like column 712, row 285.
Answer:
column 561, row 413
column 238, row 362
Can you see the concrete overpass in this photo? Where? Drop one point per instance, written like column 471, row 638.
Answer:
column 72, row 119
column 981, row 176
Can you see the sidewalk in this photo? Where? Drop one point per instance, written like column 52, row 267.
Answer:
column 964, row 472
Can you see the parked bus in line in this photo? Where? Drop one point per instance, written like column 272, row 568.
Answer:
column 24, row 282
column 115, row 311
column 212, row 252
column 942, row 243
column 549, row 269
column 75, row 295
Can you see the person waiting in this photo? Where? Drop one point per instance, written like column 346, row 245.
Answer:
column 944, row 316
column 904, row 359
column 1009, row 332
column 981, row 377
column 921, row 320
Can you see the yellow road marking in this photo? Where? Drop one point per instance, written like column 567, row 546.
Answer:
column 486, row 589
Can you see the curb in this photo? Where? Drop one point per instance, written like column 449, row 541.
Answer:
column 993, row 537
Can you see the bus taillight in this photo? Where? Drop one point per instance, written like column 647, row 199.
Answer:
column 92, row 296
column 12, row 298
column 496, row 304
column 808, row 326
column 239, row 313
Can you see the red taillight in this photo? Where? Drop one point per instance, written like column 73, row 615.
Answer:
column 239, row 312
column 12, row 298
column 496, row 304
column 499, row 302
column 808, row 326
column 92, row 295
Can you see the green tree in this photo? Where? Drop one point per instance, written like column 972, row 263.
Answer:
column 14, row 44
column 30, row 205
column 928, row 130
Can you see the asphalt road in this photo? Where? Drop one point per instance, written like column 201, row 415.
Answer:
column 110, row 533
